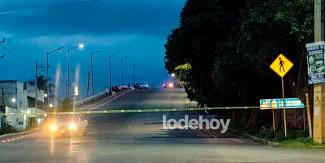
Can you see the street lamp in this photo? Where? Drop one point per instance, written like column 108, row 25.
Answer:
column 122, row 58
column 80, row 46
column 110, row 72
column 47, row 73
column 173, row 74
column 76, row 90
column 92, row 70
column 13, row 100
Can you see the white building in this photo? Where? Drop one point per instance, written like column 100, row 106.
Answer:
column 18, row 101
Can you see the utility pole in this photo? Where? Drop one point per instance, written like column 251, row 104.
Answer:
column 68, row 76
column 3, row 110
column 319, row 89
column 110, row 72
column 92, row 75
column 92, row 70
column 133, row 75
column 122, row 73
column 47, row 75
column 88, row 83
column 36, row 87
column 2, row 42
column 67, row 83
column 36, row 83
column 47, row 81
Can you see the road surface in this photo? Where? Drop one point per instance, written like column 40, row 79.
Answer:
column 140, row 137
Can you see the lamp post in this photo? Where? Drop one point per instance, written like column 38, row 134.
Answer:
column 133, row 75
column 47, row 73
column 92, row 70
column 122, row 75
column 110, row 72
column 80, row 46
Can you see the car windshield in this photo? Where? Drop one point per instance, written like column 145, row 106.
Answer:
column 162, row 81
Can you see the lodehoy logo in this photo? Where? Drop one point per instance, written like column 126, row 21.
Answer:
column 201, row 123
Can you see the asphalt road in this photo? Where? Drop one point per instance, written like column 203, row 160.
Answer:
column 140, row 137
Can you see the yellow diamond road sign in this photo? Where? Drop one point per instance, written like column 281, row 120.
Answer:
column 281, row 65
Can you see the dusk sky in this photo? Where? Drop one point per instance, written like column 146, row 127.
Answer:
column 133, row 28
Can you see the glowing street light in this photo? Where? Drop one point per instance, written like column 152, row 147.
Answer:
column 76, row 91
column 51, row 105
column 79, row 46
column 13, row 100
column 45, row 95
column 173, row 74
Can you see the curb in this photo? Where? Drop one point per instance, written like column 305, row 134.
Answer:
column 257, row 139
column 261, row 140
column 5, row 137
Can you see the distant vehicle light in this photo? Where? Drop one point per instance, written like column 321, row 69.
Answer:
column 53, row 127
column 171, row 85
column 72, row 127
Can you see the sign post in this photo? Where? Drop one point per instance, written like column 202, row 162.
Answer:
column 281, row 103
column 308, row 116
column 281, row 65
column 316, row 76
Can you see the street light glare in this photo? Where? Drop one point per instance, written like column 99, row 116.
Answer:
column 81, row 45
column 13, row 100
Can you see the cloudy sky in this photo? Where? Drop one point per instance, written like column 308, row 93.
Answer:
column 133, row 28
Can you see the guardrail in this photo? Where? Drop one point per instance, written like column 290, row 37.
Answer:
column 91, row 98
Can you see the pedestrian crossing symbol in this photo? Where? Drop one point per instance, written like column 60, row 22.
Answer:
column 281, row 65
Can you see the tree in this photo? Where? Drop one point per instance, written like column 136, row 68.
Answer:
column 67, row 105
column 230, row 45
column 42, row 83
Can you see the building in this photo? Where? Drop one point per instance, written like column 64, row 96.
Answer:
column 18, row 102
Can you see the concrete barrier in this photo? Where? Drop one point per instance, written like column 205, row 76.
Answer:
column 91, row 98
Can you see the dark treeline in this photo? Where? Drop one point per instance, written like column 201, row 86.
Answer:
column 222, row 49
column 228, row 46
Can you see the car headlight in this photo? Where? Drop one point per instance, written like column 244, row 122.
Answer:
column 72, row 126
column 53, row 127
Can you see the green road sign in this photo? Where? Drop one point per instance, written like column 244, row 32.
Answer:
column 289, row 103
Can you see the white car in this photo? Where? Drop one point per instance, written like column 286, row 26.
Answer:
column 144, row 86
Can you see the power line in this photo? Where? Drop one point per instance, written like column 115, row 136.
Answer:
column 40, row 7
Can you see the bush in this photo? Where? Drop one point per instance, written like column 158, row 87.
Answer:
column 67, row 105
column 31, row 123
column 266, row 133
column 6, row 128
